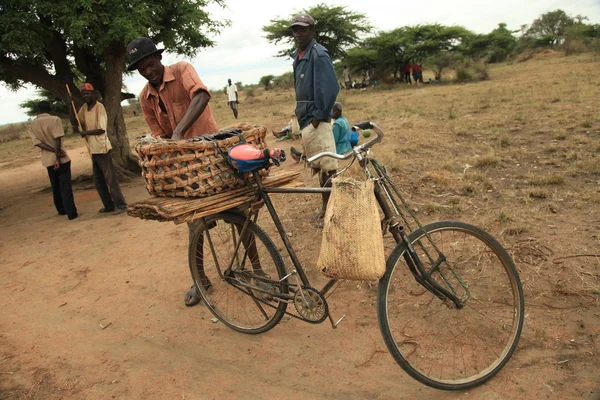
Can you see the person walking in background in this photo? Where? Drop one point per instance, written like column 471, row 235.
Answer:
column 346, row 77
column 316, row 89
column 341, row 130
column 232, row 97
column 46, row 132
column 407, row 73
column 175, row 105
column 92, row 116
column 415, row 72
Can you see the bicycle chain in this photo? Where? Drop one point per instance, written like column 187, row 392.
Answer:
column 266, row 280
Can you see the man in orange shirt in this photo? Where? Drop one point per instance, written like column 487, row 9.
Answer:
column 174, row 103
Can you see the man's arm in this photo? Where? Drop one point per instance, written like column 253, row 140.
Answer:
column 196, row 108
column 93, row 132
column 326, row 89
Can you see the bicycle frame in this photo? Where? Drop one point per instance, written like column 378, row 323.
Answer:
column 389, row 223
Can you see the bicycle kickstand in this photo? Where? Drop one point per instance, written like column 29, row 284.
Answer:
column 334, row 325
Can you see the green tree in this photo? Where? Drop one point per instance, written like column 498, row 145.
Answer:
column 337, row 29
column 550, row 26
column 493, row 47
column 49, row 43
column 359, row 59
column 266, row 81
column 394, row 48
column 59, row 108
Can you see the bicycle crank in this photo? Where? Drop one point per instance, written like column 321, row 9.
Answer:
column 311, row 305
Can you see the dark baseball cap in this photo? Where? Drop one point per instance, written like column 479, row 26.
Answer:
column 139, row 49
column 303, row 20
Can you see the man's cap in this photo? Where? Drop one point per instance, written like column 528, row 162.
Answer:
column 303, row 20
column 139, row 49
column 86, row 86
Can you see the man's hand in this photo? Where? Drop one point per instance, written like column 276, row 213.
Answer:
column 56, row 165
column 177, row 135
column 315, row 123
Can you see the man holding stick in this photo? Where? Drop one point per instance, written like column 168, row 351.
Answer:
column 93, row 120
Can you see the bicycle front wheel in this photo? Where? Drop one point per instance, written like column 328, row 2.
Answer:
column 433, row 340
column 229, row 264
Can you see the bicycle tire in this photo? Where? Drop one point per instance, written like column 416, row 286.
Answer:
column 434, row 342
column 242, row 309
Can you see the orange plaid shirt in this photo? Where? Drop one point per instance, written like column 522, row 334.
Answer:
column 180, row 84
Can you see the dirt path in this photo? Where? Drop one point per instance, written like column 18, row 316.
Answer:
column 93, row 309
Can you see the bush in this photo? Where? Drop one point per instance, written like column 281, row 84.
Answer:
column 480, row 72
column 250, row 91
column 463, row 74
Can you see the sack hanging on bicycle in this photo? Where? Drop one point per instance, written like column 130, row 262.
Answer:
column 352, row 243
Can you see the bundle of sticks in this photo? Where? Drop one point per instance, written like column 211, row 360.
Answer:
column 181, row 209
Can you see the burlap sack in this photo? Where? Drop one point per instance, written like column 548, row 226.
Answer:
column 352, row 244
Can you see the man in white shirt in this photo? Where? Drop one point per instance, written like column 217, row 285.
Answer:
column 232, row 97
column 94, row 123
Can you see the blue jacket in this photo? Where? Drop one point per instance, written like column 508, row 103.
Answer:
column 341, row 134
column 316, row 84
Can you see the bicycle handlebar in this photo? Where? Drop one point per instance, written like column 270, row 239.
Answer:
column 355, row 150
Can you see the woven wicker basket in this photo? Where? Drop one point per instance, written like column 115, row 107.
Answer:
column 193, row 169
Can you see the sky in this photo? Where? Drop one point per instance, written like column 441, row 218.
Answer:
column 243, row 54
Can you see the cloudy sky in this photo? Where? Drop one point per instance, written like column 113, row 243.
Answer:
column 242, row 54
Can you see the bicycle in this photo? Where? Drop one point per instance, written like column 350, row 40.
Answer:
column 450, row 305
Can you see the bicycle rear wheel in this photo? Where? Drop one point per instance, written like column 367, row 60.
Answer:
column 227, row 269
column 435, row 342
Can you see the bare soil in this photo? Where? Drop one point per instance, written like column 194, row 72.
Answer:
column 93, row 308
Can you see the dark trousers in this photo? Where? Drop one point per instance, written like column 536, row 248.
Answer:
column 106, row 182
column 62, row 191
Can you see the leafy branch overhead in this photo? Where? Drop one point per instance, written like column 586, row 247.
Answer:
column 51, row 44
column 337, row 28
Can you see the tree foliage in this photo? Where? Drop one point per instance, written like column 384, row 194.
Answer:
column 52, row 43
column 389, row 51
column 337, row 29
column 59, row 108
column 266, row 81
column 494, row 46
column 551, row 26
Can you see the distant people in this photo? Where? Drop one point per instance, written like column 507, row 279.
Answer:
column 92, row 116
column 316, row 89
column 291, row 131
column 46, row 132
column 232, row 96
column 341, row 130
column 407, row 73
column 346, row 77
column 415, row 72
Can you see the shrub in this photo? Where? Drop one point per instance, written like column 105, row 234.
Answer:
column 463, row 75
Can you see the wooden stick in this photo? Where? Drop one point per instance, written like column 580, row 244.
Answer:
column 87, row 146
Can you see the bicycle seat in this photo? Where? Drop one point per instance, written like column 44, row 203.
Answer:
column 247, row 158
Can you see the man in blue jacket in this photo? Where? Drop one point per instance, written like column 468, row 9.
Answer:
column 316, row 87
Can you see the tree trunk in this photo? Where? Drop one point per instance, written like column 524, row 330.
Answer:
column 125, row 163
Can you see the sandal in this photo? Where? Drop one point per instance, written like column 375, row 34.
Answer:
column 193, row 297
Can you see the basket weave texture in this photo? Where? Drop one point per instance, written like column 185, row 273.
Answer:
column 194, row 169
